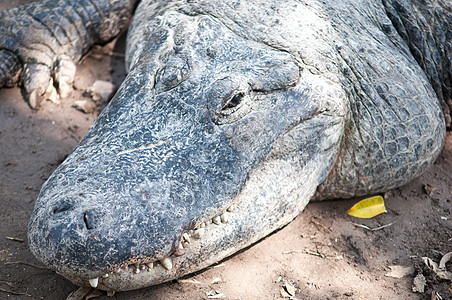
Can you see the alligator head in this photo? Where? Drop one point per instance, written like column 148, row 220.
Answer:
column 212, row 142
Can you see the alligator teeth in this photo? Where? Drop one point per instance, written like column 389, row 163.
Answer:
column 197, row 234
column 167, row 263
column 216, row 220
column 180, row 250
column 186, row 237
column 93, row 282
column 224, row 217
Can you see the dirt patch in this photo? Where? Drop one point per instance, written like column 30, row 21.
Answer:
column 320, row 255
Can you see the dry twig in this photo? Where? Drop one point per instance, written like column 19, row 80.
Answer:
column 19, row 294
column 313, row 220
column 189, row 281
column 14, row 239
column 306, row 251
column 7, row 283
column 372, row 229
column 27, row 264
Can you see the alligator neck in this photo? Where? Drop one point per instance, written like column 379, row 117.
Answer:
column 426, row 27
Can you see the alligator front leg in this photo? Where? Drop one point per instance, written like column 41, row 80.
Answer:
column 43, row 40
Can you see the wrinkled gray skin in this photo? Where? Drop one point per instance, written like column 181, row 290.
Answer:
column 252, row 106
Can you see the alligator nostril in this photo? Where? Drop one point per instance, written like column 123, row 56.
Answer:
column 92, row 219
column 88, row 223
column 62, row 207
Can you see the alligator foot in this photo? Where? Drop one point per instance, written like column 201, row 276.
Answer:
column 35, row 53
column 41, row 42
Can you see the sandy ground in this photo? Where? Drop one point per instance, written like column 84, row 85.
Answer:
column 320, row 255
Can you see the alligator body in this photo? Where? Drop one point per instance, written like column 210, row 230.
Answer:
column 233, row 116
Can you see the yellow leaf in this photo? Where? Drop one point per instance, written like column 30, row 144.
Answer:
column 368, row 208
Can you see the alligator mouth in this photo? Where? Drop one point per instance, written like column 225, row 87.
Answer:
column 154, row 268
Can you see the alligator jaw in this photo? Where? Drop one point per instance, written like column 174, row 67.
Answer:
column 226, row 233
column 145, row 271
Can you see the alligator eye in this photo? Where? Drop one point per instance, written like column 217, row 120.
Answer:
column 229, row 100
column 234, row 101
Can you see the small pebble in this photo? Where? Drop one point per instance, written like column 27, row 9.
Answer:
column 102, row 89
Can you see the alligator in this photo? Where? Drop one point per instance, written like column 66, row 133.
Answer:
column 233, row 116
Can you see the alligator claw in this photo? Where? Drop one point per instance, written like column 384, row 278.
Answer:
column 36, row 79
column 64, row 75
